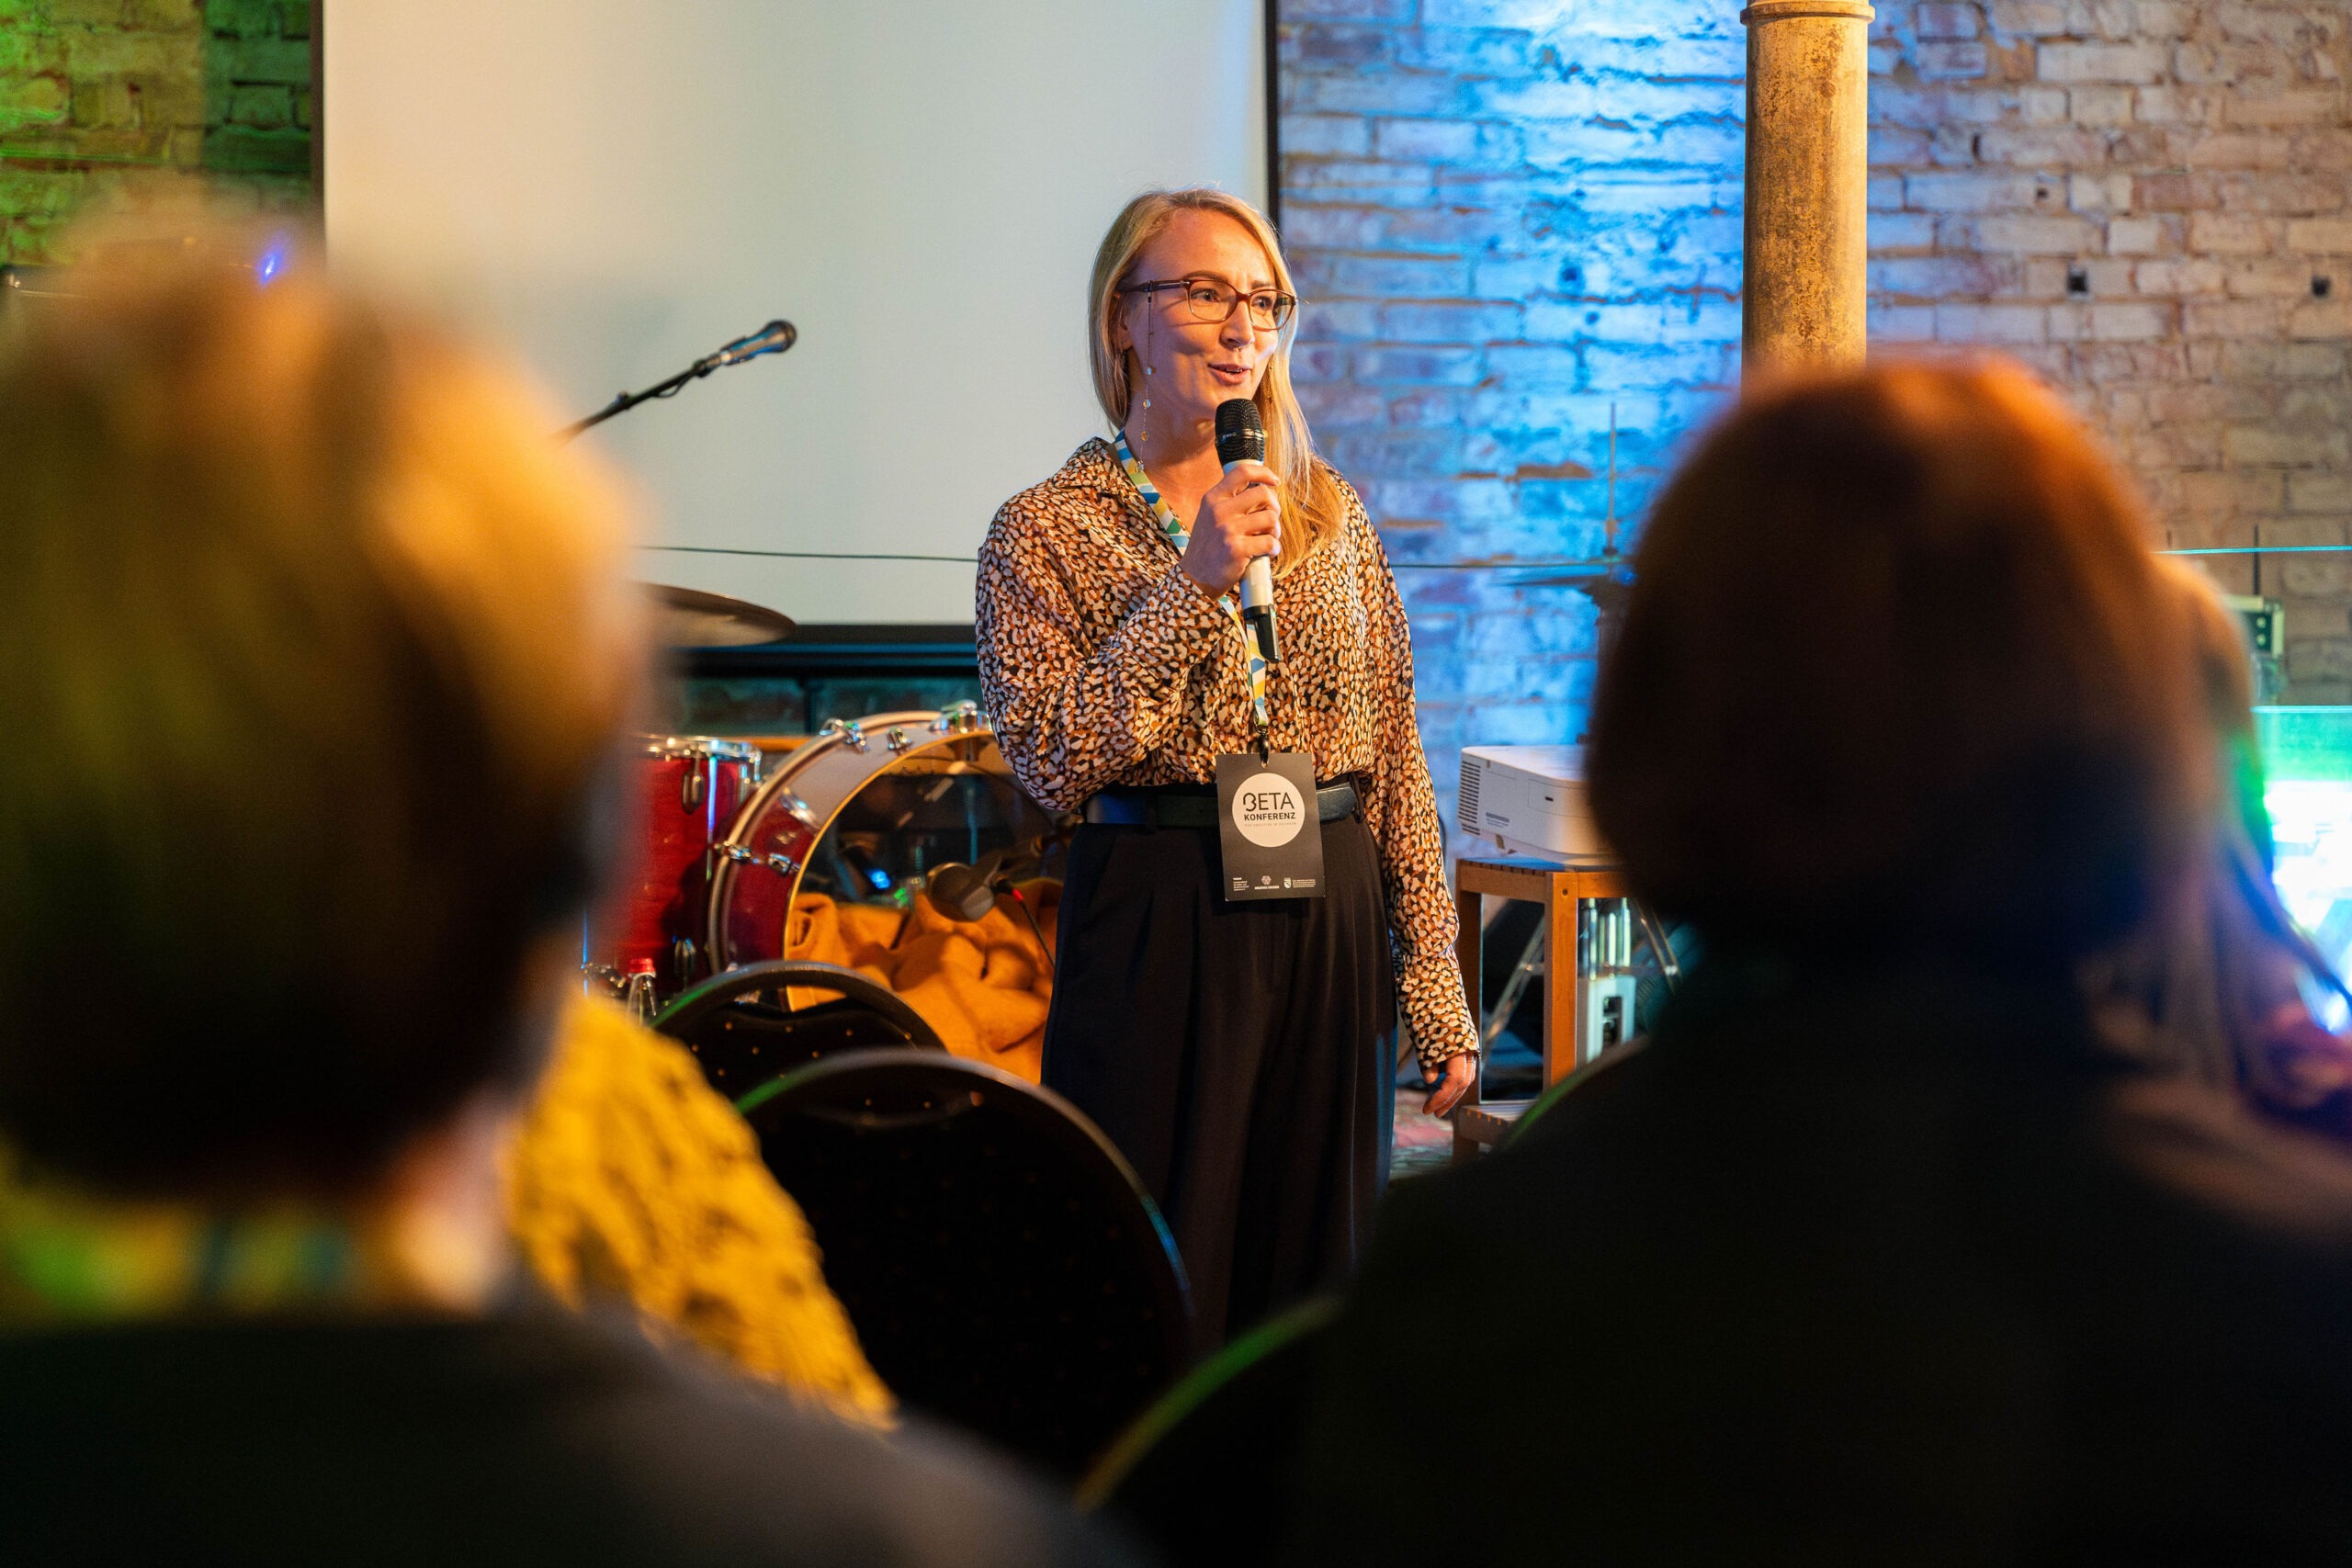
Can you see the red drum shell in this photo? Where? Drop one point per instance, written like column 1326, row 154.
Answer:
column 688, row 789
column 763, row 861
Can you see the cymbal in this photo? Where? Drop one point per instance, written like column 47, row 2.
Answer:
column 688, row 617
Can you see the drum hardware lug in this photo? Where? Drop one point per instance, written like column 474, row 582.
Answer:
column 783, row 865
column 639, row 999
column 683, row 953
column 896, row 739
column 691, row 790
column 847, row 732
column 615, row 983
column 963, row 718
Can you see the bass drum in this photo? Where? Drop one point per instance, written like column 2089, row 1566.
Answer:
column 862, row 813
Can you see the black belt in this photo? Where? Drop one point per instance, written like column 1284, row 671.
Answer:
column 1195, row 805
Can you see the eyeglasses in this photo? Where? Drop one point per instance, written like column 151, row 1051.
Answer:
column 1208, row 300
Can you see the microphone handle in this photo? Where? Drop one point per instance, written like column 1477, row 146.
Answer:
column 1258, row 604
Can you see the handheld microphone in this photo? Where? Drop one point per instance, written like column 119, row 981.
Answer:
column 773, row 338
column 1241, row 437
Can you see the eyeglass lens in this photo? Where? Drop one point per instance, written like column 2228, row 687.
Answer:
column 1212, row 302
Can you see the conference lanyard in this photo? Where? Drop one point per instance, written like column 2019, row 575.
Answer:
column 1181, row 536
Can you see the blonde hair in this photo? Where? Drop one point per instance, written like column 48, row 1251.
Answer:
column 313, row 652
column 1311, row 501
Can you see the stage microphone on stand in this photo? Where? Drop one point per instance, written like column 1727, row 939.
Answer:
column 773, row 338
column 1241, row 437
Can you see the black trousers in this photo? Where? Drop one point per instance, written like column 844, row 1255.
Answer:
column 1239, row 1055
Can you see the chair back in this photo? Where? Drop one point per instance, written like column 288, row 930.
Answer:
column 740, row 1031
column 1208, row 1474
column 1002, row 1266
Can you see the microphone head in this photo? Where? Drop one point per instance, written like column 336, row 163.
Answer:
column 960, row 892
column 1240, row 434
column 773, row 338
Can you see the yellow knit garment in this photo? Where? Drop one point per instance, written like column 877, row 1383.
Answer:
column 632, row 1177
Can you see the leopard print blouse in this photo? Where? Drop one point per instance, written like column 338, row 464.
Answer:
column 1103, row 663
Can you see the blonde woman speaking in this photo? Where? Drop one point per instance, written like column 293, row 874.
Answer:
column 1260, row 880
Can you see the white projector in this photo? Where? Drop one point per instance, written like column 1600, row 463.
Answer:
column 1529, row 800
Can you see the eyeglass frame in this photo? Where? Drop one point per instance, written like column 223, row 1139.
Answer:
column 1287, row 314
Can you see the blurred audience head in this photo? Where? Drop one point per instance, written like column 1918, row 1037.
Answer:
column 1900, row 676
column 313, row 650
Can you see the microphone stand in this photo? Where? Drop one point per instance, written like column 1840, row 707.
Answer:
column 775, row 341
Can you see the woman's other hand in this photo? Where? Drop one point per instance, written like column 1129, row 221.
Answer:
column 1240, row 519
column 1459, row 1073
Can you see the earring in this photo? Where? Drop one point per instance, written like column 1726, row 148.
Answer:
column 1147, row 391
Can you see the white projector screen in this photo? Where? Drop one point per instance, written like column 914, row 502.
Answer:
column 616, row 188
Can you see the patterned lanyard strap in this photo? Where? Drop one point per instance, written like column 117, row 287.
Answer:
column 1180, row 537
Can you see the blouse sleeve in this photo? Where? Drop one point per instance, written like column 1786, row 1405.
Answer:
column 1072, row 719
column 1403, row 816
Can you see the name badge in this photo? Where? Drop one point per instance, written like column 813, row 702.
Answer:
column 1269, row 826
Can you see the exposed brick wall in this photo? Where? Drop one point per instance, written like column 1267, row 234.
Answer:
column 1506, row 216
column 119, row 100
column 2190, row 166
column 1507, row 212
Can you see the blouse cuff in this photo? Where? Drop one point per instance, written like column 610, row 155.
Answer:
column 1433, row 1005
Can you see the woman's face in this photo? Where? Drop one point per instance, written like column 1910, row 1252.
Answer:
column 1196, row 365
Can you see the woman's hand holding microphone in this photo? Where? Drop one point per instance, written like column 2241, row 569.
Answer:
column 1240, row 519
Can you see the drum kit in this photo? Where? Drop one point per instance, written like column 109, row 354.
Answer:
column 866, row 811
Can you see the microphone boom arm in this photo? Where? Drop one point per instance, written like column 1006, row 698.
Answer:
column 773, row 338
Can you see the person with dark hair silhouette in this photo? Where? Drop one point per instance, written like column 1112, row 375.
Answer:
column 1878, row 1251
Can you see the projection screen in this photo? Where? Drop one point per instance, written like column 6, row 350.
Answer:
column 615, row 187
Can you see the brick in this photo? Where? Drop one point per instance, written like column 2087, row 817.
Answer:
column 2226, row 150
column 1342, row 136
column 2170, row 105
column 267, row 107
column 1346, row 10
column 2310, row 105
column 1951, row 61
column 2183, row 275
column 2320, row 319
column 1974, row 192
column 2290, row 194
column 95, row 53
column 1902, row 323
column 2104, row 63
column 263, row 59
column 2100, row 105
column 1937, row 277
column 2319, row 492
column 2033, row 18
column 1449, row 321
column 2135, row 236
column 2030, row 235
column 2099, row 193
column 1364, row 180
column 1385, row 276
column 1437, row 140
column 2040, row 146
column 39, row 100
column 1991, row 324
column 1937, row 20
column 2270, row 279
column 2324, row 236
column 1451, row 366
column 1475, row 51
column 2125, row 321
column 2175, row 191
column 2269, row 444
column 1900, row 231
column 2229, row 235
column 1311, row 46
column 2230, row 318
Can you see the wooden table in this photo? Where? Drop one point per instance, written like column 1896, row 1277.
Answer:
column 1557, row 885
